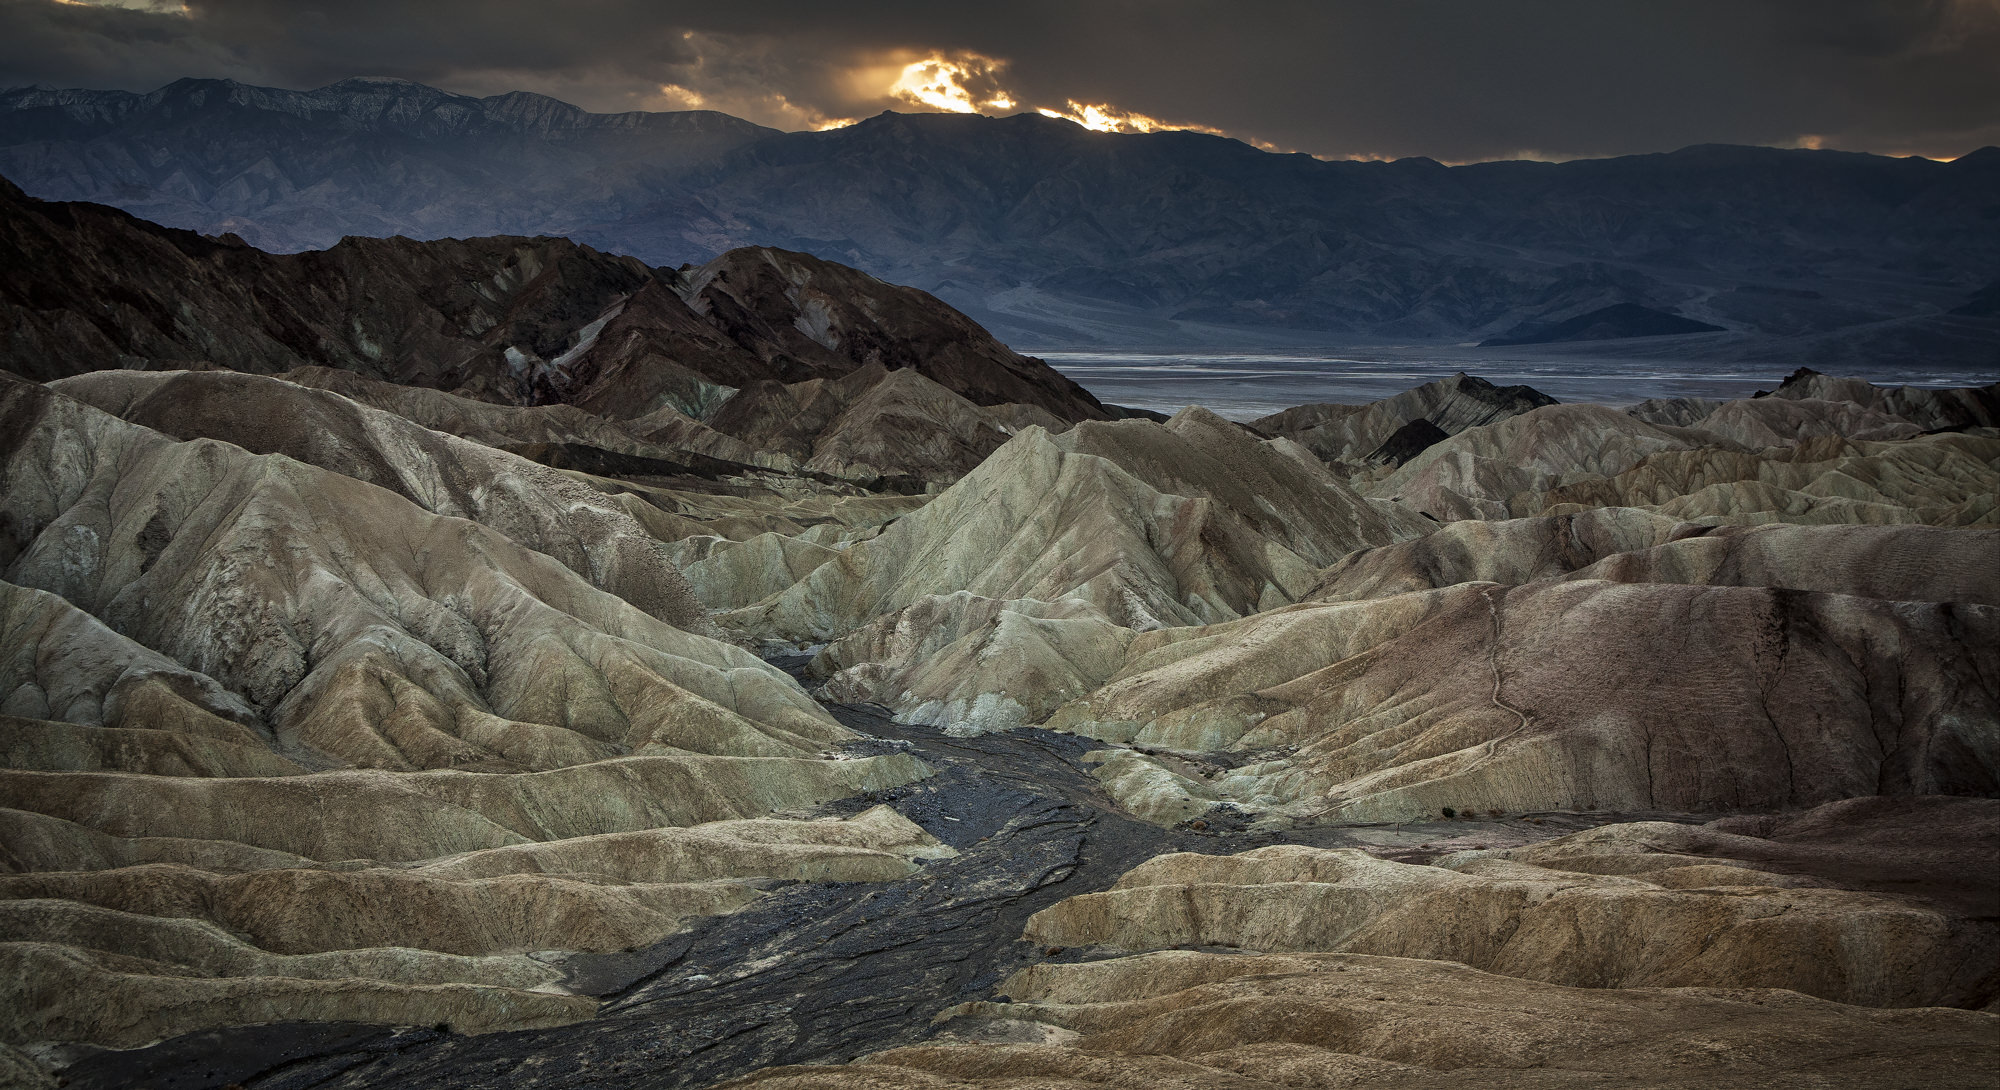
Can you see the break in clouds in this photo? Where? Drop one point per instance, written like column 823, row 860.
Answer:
column 1452, row 79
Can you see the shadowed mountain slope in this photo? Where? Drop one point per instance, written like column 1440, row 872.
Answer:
column 514, row 320
column 1044, row 230
column 1610, row 323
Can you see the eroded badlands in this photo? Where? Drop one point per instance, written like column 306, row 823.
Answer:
column 756, row 671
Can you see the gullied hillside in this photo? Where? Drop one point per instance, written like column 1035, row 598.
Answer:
column 242, row 690
column 1633, row 954
column 1394, row 430
column 700, row 673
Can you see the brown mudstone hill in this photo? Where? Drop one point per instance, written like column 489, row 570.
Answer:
column 85, row 287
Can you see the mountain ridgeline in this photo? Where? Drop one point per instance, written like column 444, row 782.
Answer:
column 1051, row 234
column 804, row 357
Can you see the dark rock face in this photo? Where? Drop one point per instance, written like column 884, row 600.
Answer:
column 810, row 318
column 517, row 320
column 1409, row 441
column 1042, row 230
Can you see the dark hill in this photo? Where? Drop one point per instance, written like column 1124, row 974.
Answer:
column 1611, row 323
column 515, row 320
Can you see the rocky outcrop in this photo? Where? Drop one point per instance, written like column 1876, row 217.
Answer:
column 808, row 317
column 874, row 424
column 526, row 503
column 1765, row 422
column 443, row 315
column 1678, row 412
column 665, row 434
column 1504, row 469
column 1927, row 408
column 126, row 955
column 974, row 664
column 80, row 697
column 1893, row 563
column 1508, row 551
column 1809, row 404
column 432, row 639
column 1940, row 480
column 732, row 574
column 1187, row 1021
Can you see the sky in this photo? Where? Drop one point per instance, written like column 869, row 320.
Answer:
column 1455, row 80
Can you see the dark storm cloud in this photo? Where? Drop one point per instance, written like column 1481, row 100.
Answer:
column 1453, row 79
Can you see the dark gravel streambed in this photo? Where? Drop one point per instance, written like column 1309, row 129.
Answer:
column 813, row 972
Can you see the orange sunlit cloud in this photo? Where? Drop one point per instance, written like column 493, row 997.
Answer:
column 942, row 84
column 685, row 98
column 968, row 83
column 1101, row 117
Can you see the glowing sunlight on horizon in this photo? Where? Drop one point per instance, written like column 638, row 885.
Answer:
column 968, row 83
column 940, row 83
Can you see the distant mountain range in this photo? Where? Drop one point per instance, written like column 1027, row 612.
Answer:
column 1051, row 235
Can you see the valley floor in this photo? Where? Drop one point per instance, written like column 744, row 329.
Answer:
column 814, row 972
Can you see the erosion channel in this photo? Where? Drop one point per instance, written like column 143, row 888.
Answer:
column 815, row 971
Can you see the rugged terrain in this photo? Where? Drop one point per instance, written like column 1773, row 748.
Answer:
column 1054, row 235
column 496, row 662
column 807, row 344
